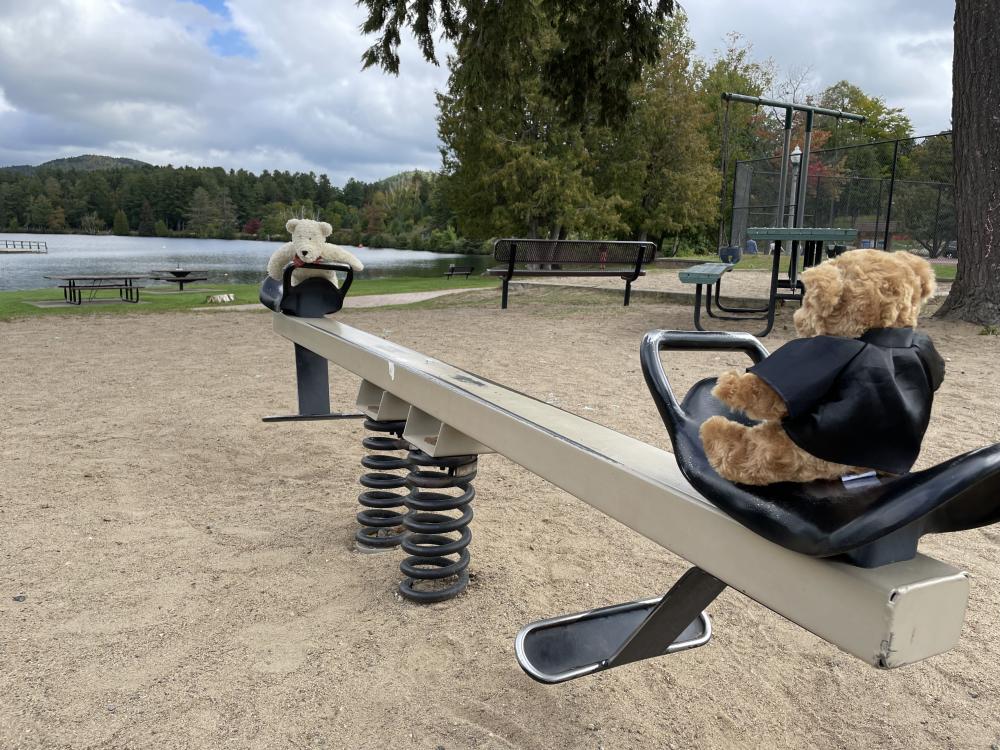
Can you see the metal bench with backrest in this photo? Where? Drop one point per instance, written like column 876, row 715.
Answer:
column 589, row 258
column 454, row 270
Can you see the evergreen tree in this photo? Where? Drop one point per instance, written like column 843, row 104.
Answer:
column 120, row 226
column 147, row 224
column 203, row 214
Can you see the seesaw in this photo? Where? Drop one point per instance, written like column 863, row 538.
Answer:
column 840, row 562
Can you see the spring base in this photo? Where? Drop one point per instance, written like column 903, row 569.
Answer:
column 382, row 518
column 436, row 541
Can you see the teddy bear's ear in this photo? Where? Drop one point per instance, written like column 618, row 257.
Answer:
column 291, row 224
column 923, row 271
column 824, row 284
column 325, row 228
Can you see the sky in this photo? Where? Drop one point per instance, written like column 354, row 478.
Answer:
column 258, row 84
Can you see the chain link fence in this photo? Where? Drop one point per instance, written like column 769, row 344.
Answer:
column 897, row 194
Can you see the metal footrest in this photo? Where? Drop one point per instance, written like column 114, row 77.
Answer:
column 571, row 646
column 309, row 417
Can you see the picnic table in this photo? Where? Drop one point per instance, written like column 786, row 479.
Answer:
column 179, row 276
column 77, row 284
column 806, row 242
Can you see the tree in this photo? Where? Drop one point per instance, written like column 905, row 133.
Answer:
column 91, row 223
column 203, row 214
column 160, row 229
column 251, row 227
column 120, row 226
column 599, row 50
column 882, row 122
column 39, row 212
column 923, row 197
column 57, row 219
column 515, row 167
column 659, row 161
column 975, row 293
column 147, row 225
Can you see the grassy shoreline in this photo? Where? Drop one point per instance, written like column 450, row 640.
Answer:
column 16, row 304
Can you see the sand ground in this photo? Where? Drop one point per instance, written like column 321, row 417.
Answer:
column 187, row 578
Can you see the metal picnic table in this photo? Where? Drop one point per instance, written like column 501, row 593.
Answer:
column 806, row 242
column 76, row 284
column 179, row 276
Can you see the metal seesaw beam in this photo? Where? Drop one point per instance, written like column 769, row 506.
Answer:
column 888, row 616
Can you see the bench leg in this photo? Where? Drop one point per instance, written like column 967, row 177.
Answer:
column 718, row 304
column 628, row 291
column 697, row 307
column 503, row 296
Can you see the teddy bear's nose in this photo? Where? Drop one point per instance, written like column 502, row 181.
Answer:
column 305, row 252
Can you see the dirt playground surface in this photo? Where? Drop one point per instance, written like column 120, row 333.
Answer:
column 178, row 574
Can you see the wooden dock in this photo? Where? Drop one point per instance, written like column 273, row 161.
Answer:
column 23, row 246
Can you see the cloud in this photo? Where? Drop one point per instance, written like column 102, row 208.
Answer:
column 179, row 81
column 899, row 50
column 261, row 85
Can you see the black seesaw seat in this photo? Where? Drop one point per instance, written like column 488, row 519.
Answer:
column 876, row 523
column 313, row 298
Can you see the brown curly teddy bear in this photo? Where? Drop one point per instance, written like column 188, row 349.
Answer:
column 853, row 395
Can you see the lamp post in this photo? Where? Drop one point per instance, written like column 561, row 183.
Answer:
column 795, row 157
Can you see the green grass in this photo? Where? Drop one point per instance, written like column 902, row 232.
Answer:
column 15, row 304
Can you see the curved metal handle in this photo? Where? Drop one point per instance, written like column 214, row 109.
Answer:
column 287, row 274
column 656, row 379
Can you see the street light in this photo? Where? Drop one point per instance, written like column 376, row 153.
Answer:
column 795, row 157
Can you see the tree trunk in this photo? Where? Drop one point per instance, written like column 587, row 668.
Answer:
column 975, row 295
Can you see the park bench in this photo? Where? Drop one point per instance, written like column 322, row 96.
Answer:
column 589, row 258
column 453, row 270
column 837, row 560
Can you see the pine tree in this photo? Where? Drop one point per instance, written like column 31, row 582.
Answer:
column 120, row 225
column 147, row 226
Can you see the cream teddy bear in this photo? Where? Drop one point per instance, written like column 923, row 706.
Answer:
column 309, row 245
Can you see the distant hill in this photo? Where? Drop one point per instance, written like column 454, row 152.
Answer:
column 85, row 163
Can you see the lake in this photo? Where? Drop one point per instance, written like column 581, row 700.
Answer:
column 232, row 261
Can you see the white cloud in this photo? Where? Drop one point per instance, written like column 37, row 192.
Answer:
column 145, row 78
column 899, row 50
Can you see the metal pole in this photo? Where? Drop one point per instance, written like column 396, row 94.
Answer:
column 937, row 216
column 892, row 186
column 800, row 201
column 722, row 187
column 783, row 178
column 797, row 107
column 878, row 212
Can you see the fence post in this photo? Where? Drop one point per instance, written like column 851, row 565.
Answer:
column 892, row 186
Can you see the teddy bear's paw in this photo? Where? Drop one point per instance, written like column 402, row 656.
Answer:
column 724, row 442
column 727, row 387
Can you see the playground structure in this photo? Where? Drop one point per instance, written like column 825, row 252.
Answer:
column 894, row 193
column 841, row 562
column 803, row 157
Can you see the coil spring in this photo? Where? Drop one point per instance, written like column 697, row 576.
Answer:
column 434, row 554
column 382, row 518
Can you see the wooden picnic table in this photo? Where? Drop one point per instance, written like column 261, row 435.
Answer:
column 77, row 284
